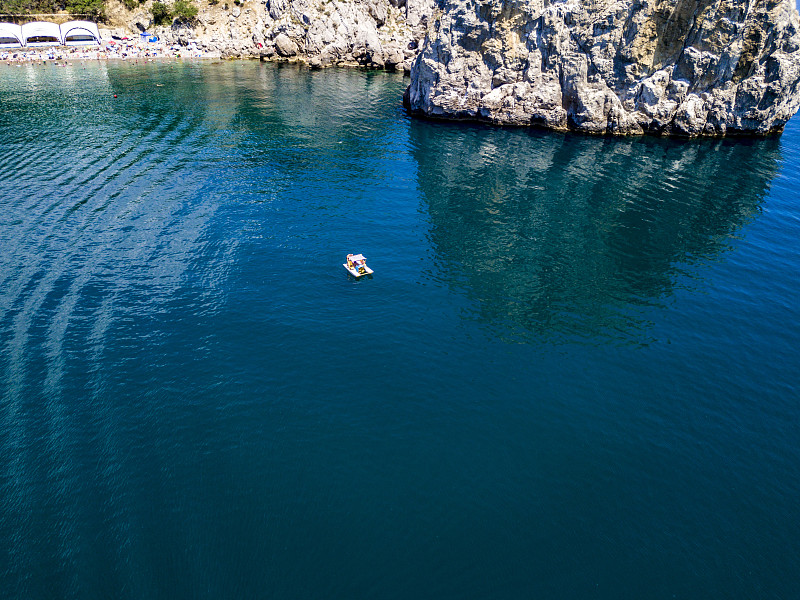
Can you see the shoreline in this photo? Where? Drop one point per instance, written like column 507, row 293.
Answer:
column 108, row 50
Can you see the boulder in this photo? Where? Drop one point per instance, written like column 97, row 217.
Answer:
column 284, row 46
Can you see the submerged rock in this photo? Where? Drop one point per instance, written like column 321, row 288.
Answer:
column 691, row 67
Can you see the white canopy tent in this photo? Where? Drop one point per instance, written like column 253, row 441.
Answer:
column 40, row 33
column 10, row 35
column 76, row 33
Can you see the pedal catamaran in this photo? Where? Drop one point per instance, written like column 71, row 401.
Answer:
column 356, row 265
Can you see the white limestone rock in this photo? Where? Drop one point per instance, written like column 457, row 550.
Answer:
column 284, row 45
column 700, row 67
column 371, row 33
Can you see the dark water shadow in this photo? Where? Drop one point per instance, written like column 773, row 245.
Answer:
column 575, row 238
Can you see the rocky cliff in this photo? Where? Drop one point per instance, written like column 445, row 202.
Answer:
column 681, row 67
column 372, row 33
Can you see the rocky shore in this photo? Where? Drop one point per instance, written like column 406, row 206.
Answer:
column 695, row 67
column 620, row 67
column 369, row 33
column 108, row 50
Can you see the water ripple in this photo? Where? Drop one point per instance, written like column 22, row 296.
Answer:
column 193, row 393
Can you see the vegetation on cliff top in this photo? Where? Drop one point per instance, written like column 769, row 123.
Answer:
column 92, row 8
column 163, row 14
column 181, row 10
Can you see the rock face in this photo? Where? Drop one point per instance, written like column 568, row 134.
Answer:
column 372, row 33
column 680, row 67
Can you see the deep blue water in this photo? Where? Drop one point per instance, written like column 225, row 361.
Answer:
column 574, row 373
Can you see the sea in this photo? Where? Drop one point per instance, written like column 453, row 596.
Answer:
column 573, row 374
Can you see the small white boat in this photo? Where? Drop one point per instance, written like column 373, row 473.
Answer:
column 356, row 265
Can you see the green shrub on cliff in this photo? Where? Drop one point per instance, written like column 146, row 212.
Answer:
column 162, row 15
column 182, row 10
column 92, row 8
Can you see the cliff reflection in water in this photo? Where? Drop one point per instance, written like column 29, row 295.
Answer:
column 567, row 236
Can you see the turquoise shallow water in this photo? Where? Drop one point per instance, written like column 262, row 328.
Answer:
column 573, row 374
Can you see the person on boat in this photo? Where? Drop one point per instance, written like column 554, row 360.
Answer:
column 350, row 261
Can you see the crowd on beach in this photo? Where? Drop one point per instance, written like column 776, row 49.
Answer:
column 126, row 49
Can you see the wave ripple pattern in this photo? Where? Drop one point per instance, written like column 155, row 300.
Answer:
column 573, row 373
